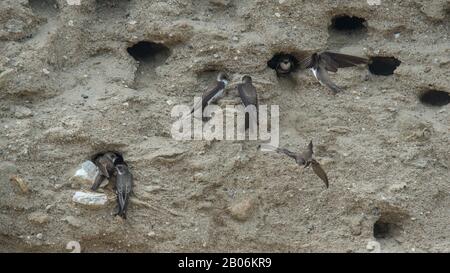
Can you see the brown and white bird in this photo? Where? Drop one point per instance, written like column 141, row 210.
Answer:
column 124, row 186
column 248, row 95
column 213, row 94
column 306, row 159
column 321, row 63
column 105, row 164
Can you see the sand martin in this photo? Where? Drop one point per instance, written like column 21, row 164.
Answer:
column 283, row 64
column 248, row 95
column 124, row 186
column 305, row 158
column 212, row 95
column 105, row 164
column 321, row 63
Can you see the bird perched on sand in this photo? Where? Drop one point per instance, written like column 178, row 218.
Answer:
column 124, row 186
column 213, row 94
column 248, row 95
column 305, row 158
column 322, row 62
column 105, row 164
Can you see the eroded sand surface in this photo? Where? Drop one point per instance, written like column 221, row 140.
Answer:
column 69, row 89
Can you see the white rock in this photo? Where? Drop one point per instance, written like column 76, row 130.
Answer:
column 277, row 14
column 90, row 198
column 74, row 2
column 22, row 112
column 373, row 247
column 39, row 236
column 374, row 2
column 46, row 71
column 85, row 174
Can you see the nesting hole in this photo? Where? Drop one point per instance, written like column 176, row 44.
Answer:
column 149, row 55
column 384, row 66
column 435, row 98
column 346, row 29
column 348, row 23
column 389, row 225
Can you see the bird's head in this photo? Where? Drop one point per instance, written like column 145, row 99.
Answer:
column 223, row 77
column 247, row 79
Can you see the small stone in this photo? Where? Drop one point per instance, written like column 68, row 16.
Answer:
column 22, row 112
column 84, row 96
column 46, row 71
column 73, row 221
column 151, row 234
column 90, row 198
column 397, row 187
column 277, row 14
column 235, row 38
column 216, row 55
column 74, row 2
column 133, row 22
column 85, row 174
column 373, row 247
column 242, row 210
column 70, row 23
column 152, row 188
column 39, row 218
column 39, row 236
column 374, row 2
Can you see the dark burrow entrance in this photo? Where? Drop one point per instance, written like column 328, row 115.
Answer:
column 346, row 29
column 384, row 66
column 149, row 55
column 435, row 98
column 348, row 23
column 389, row 225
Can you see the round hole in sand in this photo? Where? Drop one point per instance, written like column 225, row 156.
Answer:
column 434, row 98
column 385, row 66
column 348, row 23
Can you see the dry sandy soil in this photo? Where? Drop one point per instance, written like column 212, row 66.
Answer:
column 69, row 88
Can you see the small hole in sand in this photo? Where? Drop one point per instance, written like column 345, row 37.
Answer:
column 435, row 98
column 149, row 55
column 384, row 66
column 348, row 23
column 381, row 230
column 149, row 52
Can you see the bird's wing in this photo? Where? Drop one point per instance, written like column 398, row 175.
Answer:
column 287, row 152
column 248, row 95
column 208, row 95
column 319, row 171
column 324, row 78
column 307, row 155
column 307, row 62
column 338, row 60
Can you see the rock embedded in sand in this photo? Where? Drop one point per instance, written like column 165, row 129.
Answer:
column 90, row 199
column 39, row 218
column 85, row 174
column 73, row 221
column 242, row 210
